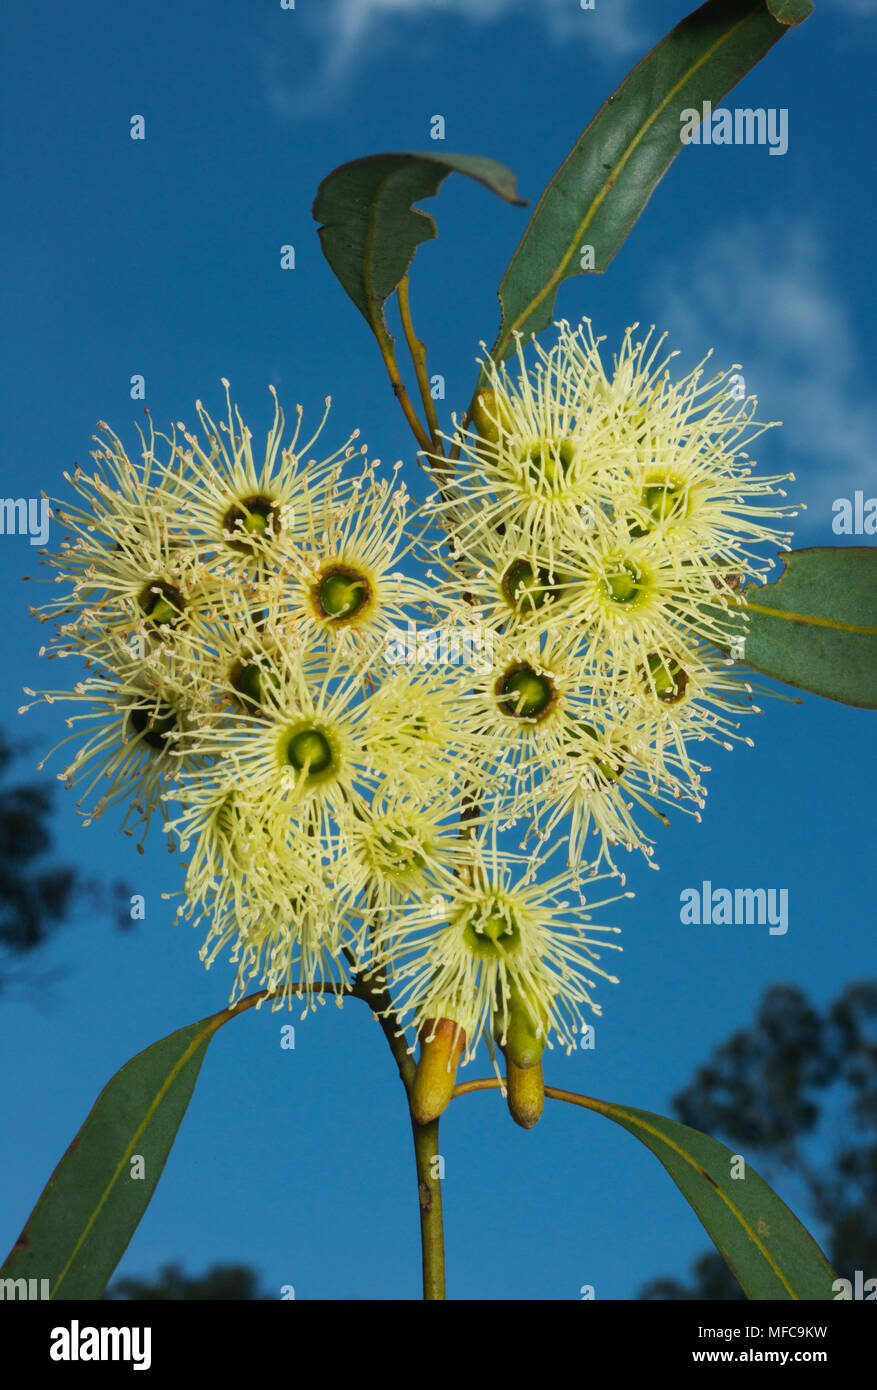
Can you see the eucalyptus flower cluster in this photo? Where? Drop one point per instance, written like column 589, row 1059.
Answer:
column 272, row 671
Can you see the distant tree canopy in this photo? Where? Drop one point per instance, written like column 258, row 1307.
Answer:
column 220, row 1283
column 37, row 895
column 796, row 1092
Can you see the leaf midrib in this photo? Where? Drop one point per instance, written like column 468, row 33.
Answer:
column 606, row 1108
column 378, row 320
column 608, row 182
column 811, row 619
column 162, row 1091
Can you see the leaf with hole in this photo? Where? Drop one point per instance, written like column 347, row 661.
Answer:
column 369, row 230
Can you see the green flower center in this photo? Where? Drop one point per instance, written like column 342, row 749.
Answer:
column 524, row 586
column 605, row 770
column 662, row 500
column 154, row 726
column 623, row 581
column 525, row 693
column 492, row 933
column 665, row 500
column 394, row 853
column 163, row 604
column 249, row 521
column 250, row 680
column 341, row 593
column 668, row 680
column 309, row 750
column 550, row 460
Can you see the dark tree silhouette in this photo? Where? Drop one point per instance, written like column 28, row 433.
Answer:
column 38, row 895
column 796, row 1093
column 219, row 1283
column 711, row 1280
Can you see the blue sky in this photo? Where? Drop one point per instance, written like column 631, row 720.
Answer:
column 162, row 257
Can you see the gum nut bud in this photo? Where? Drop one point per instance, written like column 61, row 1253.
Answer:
column 524, row 1044
column 486, row 416
column 516, row 1030
column 525, row 1092
column 441, row 1044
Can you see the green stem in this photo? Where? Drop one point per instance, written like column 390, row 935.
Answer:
column 429, row 1190
column 377, row 996
column 418, row 356
column 385, row 343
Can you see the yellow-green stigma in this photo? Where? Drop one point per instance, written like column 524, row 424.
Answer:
column 249, row 521
column 525, row 693
column 341, row 593
column 525, row 586
column 153, row 726
column 492, row 932
column 162, row 603
column 667, row 678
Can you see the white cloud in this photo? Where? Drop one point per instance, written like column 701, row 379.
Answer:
column 762, row 294
column 343, row 34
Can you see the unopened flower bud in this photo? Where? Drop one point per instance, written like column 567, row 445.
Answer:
column 488, row 415
column 520, row 1029
column 441, row 1044
column 524, row 1043
column 525, row 1091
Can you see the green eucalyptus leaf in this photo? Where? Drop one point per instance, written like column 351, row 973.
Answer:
column 768, row 1251
column 370, row 231
column 790, row 11
column 600, row 189
column 816, row 627
column 92, row 1203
